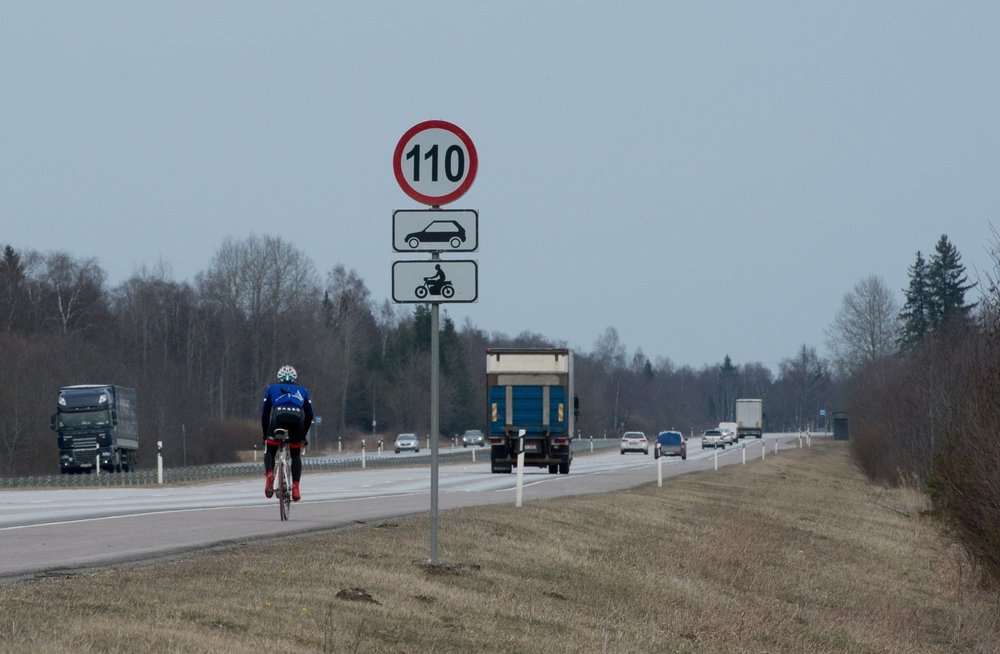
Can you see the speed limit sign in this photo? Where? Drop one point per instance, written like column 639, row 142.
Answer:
column 435, row 162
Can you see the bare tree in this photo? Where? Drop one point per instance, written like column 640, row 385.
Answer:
column 609, row 352
column 259, row 290
column 866, row 328
column 804, row 381
column 348, row 304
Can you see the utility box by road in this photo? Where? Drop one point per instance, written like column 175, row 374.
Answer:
column 749, row 418
column 530, row 389
column 841, row 432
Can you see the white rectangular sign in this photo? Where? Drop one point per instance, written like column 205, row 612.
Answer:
column 435, row 230
column 435, row 281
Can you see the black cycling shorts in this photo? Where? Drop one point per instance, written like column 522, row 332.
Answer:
column 290, row 418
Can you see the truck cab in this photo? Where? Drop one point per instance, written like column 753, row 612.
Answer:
column 96, row 425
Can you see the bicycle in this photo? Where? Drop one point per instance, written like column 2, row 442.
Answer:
column 283, row 474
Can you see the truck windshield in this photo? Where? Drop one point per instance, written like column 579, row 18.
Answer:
column 84, row 420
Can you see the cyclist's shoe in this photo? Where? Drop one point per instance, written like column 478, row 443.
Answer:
column 269, row 485
column 296, row 496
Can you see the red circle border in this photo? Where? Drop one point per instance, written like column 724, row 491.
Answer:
column 435, row 201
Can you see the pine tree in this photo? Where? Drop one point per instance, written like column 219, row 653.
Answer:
column 947, row 285
column 914, row 315
column 12, row 292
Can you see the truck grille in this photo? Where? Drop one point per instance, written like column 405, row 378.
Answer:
column 85, row 443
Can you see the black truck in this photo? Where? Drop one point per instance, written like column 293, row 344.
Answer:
column 96, row 425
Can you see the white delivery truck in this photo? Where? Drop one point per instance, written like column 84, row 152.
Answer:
column 750, row 418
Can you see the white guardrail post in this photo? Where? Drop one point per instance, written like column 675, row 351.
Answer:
column 519, row 490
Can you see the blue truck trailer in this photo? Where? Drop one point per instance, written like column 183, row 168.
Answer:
column 95, row 425
column 530, row 389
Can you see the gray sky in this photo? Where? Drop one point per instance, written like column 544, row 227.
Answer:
column 706, row 177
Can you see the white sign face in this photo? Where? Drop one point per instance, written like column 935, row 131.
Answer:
column 435, row 281
column 435, row 162
column 435, row 230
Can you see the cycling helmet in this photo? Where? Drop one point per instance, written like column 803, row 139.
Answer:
column 287, row 374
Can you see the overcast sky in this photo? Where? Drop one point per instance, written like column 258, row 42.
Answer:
column 706, row 177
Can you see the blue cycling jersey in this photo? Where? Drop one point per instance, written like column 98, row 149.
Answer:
column 286, row 395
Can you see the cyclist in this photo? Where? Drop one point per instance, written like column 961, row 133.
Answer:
column 286, row 406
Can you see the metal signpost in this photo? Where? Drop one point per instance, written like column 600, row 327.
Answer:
column 435, row 163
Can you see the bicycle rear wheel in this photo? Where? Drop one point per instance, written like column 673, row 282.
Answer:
column 284, row 493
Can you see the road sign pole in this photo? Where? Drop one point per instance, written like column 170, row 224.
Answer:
column 435, row 364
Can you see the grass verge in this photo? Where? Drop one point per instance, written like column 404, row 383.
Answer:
column 798, row 553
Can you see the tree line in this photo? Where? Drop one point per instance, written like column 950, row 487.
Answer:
column 922, row 387
column 199, row 353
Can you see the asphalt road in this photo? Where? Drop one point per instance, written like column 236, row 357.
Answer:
column 52, row 531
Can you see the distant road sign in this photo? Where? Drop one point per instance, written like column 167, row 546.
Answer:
column 435, row 281
column 435, row 162
column 435, row 230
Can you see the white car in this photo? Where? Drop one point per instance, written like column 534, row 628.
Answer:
column 406, row 442
column 634, row 441
column 713, row 438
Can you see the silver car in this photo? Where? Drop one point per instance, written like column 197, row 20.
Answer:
column 713, row 438
column 634, row 441
column 473, row 437
column 407, row 442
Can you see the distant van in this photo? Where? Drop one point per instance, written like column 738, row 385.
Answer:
column 730, row 427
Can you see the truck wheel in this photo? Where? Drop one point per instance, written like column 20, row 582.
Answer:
column 564, row 468
column 553, row 468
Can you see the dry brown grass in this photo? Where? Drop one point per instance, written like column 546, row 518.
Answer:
column 794, row 554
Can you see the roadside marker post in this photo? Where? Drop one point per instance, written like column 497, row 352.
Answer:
column 715, row 451
column 659, row 466
column 763, row 448
column 775, row 445
column 362, row 453
column 744, row 453
column 519, row 492
column 159, row 462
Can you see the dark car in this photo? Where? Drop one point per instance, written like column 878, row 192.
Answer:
column 438, row 231
column 672, row 443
